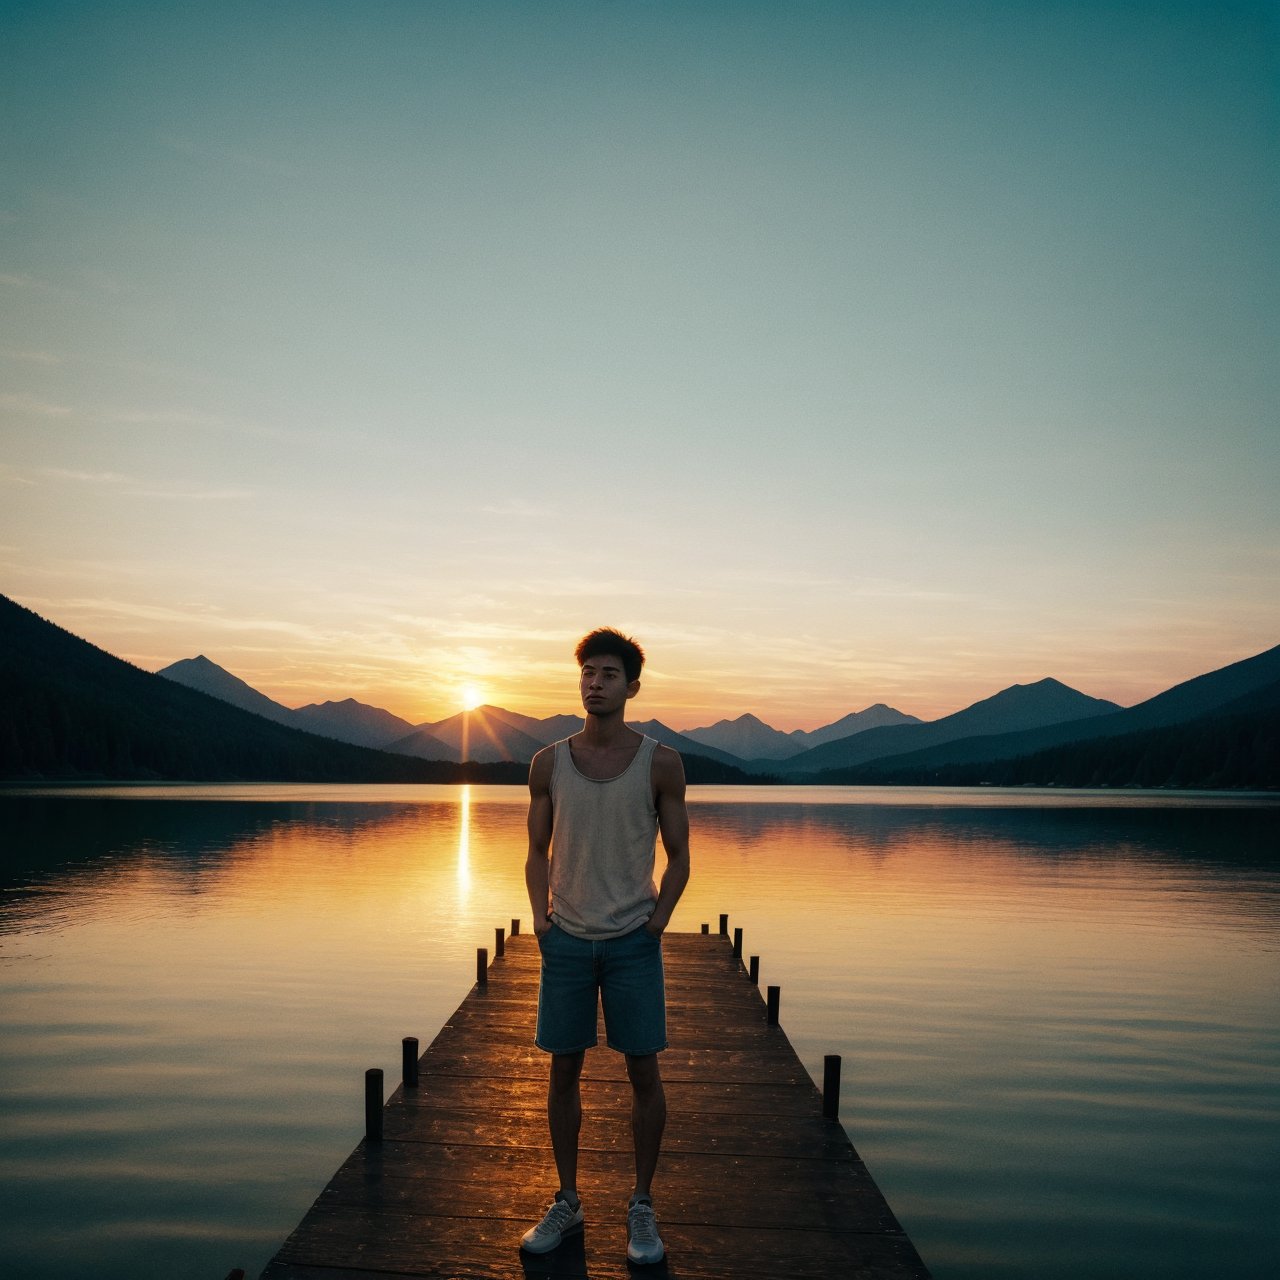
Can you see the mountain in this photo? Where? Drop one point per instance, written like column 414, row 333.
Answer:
column 1226, row 691
column 1232, row 746
column 71, row 710
column 1021, row 706
column 548, row 730
column 421, row 744
column 207, row 677
column 481, row 735
column 492, row 734
column 350, row 721
column 873, row 717
column 748, row 738
column 347, row 721
column 686, row 746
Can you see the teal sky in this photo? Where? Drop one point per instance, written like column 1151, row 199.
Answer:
column 843, row 352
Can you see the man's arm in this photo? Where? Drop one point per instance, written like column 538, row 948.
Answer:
column 673, row 826
column 536, row 877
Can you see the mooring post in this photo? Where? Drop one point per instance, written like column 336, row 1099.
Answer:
column 754, row 970
column 706, row 928
column 409, row 1061
column 373, row 1105
column 737, row 944
column 482, row 965
column 724, row 925
column 515, row 927
column 774, row 999
column 499, row 943
column 831, row 1086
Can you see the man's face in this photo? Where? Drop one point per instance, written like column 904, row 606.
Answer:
column 603, row 685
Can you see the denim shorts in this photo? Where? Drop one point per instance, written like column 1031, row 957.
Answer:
column 626, row 971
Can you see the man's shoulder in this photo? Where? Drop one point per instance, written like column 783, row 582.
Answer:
column 541, row 765
column 668, row 766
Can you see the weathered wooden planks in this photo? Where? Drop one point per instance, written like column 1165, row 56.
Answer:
column 753, row 1181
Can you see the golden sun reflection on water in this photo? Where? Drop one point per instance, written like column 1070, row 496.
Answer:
column 464, row 841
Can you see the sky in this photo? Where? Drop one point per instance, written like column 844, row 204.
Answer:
column 841, row 352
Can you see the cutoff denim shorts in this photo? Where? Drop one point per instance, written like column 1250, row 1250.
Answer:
column 626, row 971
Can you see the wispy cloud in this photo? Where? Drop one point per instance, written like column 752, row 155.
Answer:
column 18, row 403
column 139, row 487
column 87, row 477
column 32, row 357
column 208, row 619
column 519, row 509
column 199, row 420
column 166, row 417
column 195, row 495
column 11, row 475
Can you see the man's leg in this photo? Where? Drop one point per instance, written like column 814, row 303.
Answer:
column 564, row 1117
column 648, row 1116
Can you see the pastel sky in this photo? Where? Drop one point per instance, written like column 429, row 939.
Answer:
column 843, row 352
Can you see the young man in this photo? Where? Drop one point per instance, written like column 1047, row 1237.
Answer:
column 597, row 801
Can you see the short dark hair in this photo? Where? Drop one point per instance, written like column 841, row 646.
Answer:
column 608, row 640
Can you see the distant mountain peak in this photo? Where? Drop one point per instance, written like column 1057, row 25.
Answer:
column 206, row 676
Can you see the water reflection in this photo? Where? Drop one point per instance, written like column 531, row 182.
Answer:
column 464, row 841
column 1057, row 1022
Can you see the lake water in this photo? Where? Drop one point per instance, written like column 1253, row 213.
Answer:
column 1059, row 1012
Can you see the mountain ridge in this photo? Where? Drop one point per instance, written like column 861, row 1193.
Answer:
column 1182, row 703
column 1081, row 725
column 71, row 711
column 1019, row 706
column 750, row 738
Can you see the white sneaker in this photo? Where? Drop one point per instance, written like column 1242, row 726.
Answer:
column 560, row 1220
column 644, row 1246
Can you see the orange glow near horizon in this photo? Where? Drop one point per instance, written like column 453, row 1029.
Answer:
column 685, row 684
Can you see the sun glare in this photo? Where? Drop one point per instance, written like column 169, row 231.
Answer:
column 471, row 697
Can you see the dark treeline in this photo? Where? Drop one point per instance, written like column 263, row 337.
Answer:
column 1237, row 750
column 72, row 712
column 69, row 710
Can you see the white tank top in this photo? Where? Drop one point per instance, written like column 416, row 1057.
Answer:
column 603, row 842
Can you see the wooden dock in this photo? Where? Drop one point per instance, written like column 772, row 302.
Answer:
column 754, row 1182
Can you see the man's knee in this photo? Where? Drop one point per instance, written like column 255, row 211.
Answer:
column 646, row 1079
column 565, row 1071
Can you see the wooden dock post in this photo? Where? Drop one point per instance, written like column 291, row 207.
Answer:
column 831, row 1086
column 774, row 998
column 753, row 970
column 724, row 925
column 373, row 1105
column 706, row 928
column 482, row 965
column 409, row 1062
column 450, row 1175
column 499, row 943
column 737, row 944
column 515, row 926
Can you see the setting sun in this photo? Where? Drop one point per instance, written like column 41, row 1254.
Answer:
column 472, row 697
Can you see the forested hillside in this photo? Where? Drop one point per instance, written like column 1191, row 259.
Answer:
column 1236, row 747
column 70, row 710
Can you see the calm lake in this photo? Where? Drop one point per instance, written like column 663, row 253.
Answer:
column 1059, row 1012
